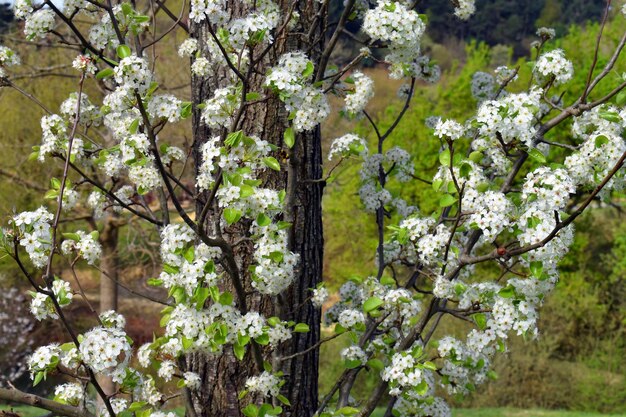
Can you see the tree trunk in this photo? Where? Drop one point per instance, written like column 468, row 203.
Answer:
column 223, row 377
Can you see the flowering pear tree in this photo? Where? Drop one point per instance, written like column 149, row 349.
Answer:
column 240, row 329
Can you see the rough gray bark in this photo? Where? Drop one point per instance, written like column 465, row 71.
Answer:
column 222, row 375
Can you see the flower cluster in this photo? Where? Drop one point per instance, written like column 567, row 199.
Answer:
column 188, row 47
column 212, row 10
column 112, row 319
column 483, row 86
column 505, row 121
column 264, row 384
column 219, row 109
column 8, row 58
column 86, row 245
column 354, row 355
column 546, row 33
column 464, row 9
column 84, row 63
column 275, row 269
column 44, row 359
column 104, row 349
column 601, row 149
column 357, row 99
column 554, row 66
column 39, row 24
column 348, row 144
column 133, row 72
column 256, row 25
column 291, row 80
column 449, row 129
column 396, row 162
column 165, row 107
column 35, row 234
column 320, row 295
column 42, row 306
column 70, row 393
column 392, row 22
column 89, row 113
column 403, row 372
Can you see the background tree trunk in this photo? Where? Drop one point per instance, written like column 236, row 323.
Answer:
column 222, row 375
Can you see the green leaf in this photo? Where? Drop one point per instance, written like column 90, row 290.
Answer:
column 272, row 163
column 422, row 388
column 164, row 320
column 38, row 377
column 308, row 71
column 201, row 294
column 620, row 100
column 533, row 222
column 376, row 364
column 535, row 154
column 155, row 282
column 185, row 110
column 371, row 304
column 226, row 299
column 245, row 190
column 536, row 269
column 167, row 268
column 263, row 220
column 289, row 137
column 301, row 328
column 105, row 73
column 190, row 254
column 283, row 400
column 611, row 116
column 481, row 320
column 141, row 18
column 601, row 140
column 263, row 339
column 239, row 351
column 127, row 9
column 507, row 292
column 276, row 256
column 250, row 411
column 232, row 215
column 252, row 96
column 243, row 340
column 72, row 236
column 387, row 280
column 444, row 157
column 351, row 364
column 447, row 200
column 234, row 138
column 348, row 411
column 123, row 51
column 465, row 170
column 430, row 365
column 437, row 184
column 138, row 405
column 476, row 156
column 214, row 292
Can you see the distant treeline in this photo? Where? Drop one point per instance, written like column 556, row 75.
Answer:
column 509, row 22
column 6, row 16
